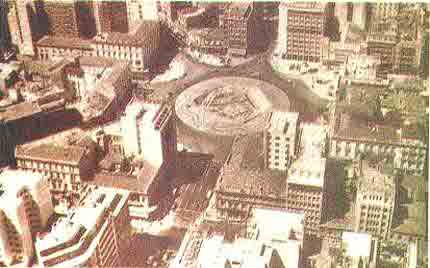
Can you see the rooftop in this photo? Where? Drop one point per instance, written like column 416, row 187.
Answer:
column 303, row 173
column 357, row 244
column 19, row 111
column 141, row 37
column 244, row 172
column 305, row 6
column 69, row 155
column 239, row 9
column 79, row 224
column 285, row 122
column 373, row 178
column 64, row 42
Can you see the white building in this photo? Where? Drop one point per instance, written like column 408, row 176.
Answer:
column 25, row 207
column 140, row 10
column 280, row 140
column 359, row 248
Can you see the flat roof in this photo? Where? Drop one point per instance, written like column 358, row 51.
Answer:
column 64, row 42
column 51, row 153
column 244, row 172
column 19, row 111
column 305, row 6
column 285, row 122
column 141, row 37
column 357, row 244
column 308, row 172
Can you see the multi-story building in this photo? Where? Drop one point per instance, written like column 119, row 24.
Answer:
column 208, row 41
column 95, row 234
column 406, row 57
column 25, row 207
column 111, row 16
column 66, row 167
column 140, row 46
column 384, row 10
column 301, row 30
column 58, row 47
column 240, row 23
column 140, row 10
column 271, row 238
column 306, row 183
column 62, row 18
column 381, row 42
column 280, row 140
column 353, row 137
column 375, row 200
column 354, row 13
column 20, row 26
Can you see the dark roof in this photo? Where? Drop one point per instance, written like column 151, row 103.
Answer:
column 142, row 37
column 244, row 172
column 19, row 111
column 116, row 180
column 64, row 42
column 52, row 153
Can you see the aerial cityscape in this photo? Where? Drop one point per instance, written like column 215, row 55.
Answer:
column 209, row 134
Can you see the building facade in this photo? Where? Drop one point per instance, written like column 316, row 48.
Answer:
column 140, row 47
column 66, row 167
column 111, row 16
column 280, row 140
column 375, row 200
column 240, row 23
column 57, row 47
column 25, row 207
column 63, row 20
column 382, row 11
column 301, row 30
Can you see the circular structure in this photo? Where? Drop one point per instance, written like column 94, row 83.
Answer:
column 230, row 105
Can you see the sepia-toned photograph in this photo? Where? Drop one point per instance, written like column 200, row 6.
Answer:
column 214, row 134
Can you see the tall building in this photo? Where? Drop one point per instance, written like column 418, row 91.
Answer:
column 95, row 234
column 301, row 30
column 63, row 19
column 140, row 10
column 307, row 176
column 111, row 16
column 240, row 23
column 20, row 26
column 150, row 131
column 280, row 140
column 375, row 200
column 25, row 207
column 86, row 18
column 355, row 13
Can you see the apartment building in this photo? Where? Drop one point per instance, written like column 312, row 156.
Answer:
column 95, row 234
column 280, row 140
column 140, row 46
column 301, row 30
column 375, row 200
column 25, row 207
column 384, row 10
